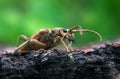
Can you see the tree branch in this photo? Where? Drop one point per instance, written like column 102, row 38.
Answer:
column 102, row 62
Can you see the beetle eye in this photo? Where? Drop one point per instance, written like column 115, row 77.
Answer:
column 64, row 30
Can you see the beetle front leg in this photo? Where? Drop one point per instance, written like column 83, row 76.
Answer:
column 60, row 38
column 70, row 46
column 68, row 50
column 70, row 39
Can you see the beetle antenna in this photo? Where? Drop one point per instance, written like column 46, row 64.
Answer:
column 86, row 30
column 75, row 27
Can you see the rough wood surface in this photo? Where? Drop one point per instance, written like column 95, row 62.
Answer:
column 99, row 62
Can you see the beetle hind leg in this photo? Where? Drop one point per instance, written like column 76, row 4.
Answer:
column 30, row 45
column 21, row 37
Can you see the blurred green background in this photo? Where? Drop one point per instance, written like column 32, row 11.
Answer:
column 28, row 16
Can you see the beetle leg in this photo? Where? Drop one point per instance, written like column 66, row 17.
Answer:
column 63, row 43
column 69, row 46
column 21, row 46
column 68, row 50
column 70, row 39
column 32, row 42
column 21, row 37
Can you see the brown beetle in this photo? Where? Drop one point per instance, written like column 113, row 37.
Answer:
column 49, row 38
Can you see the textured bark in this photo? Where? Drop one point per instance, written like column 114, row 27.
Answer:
column 100, row 62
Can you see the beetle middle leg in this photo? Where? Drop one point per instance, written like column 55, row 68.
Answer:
column 31, row 44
